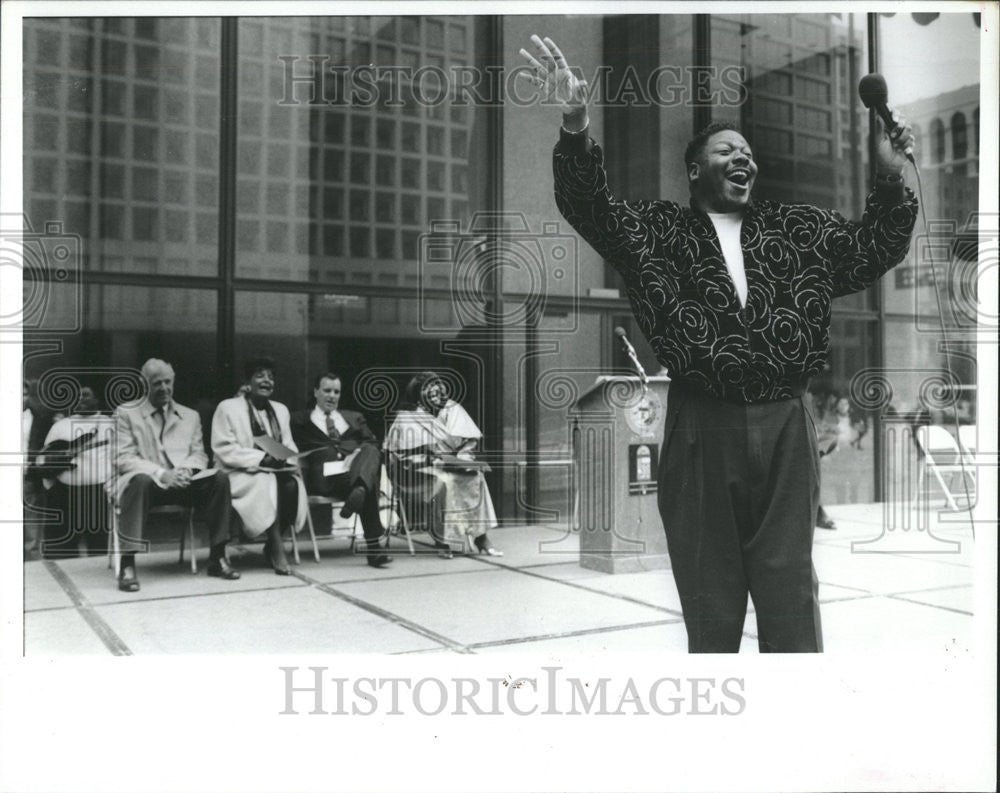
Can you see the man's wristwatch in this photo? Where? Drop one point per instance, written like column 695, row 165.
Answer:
column 889, row 177
column 578, row 134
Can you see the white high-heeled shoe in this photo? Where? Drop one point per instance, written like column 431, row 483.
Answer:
column 486, row 548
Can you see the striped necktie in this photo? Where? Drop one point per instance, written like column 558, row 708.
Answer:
column 331, row 427
column 162, row 416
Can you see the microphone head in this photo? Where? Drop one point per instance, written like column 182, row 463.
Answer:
column 620, row 331
column 873, row 90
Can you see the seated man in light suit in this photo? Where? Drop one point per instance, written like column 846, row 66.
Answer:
column 268, row 494
column 159, row 449
column 343, row 436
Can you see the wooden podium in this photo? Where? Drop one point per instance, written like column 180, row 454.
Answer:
column 617, row 431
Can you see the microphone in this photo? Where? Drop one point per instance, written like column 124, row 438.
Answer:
column 630, row 351
column 874, row 93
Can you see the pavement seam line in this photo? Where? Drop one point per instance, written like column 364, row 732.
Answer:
column 932, row 605
column 371, row 608
column 571, row 634
column 626, row 598
column 110, row 639
column 438, row 574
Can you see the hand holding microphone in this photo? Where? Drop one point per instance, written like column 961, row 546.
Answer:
column 900, row 140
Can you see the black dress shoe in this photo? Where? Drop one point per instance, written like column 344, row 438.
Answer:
column 127, row 581
column 354, row 502
column 378, row 560
column 222, row 569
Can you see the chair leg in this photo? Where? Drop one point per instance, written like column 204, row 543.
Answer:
column 112, row 534
column 312, row 537
column 922, row 494
column 397, row 505
column 190, row 532
column 114, row 549
column 947, row 493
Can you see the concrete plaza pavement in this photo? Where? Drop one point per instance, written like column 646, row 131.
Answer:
column 901, row 591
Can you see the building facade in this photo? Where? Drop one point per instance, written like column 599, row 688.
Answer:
column 372, row 196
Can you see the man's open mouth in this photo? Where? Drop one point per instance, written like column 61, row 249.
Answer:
column 739, row 176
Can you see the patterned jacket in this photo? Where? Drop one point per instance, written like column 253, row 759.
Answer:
column 797, row 259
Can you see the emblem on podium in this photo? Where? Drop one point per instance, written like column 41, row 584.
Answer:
column 643, row 417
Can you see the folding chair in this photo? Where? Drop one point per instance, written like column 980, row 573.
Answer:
column 114, row 549
column 334, row 504
column 941, row 455
column 967, row 440
column 391, row 503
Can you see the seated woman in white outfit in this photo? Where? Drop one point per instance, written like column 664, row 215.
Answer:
column 428, row 443
column 267, row 495
column 77, row 459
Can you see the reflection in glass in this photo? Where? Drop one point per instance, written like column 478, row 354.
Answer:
column 802, row 115
column 932, row 67
column 125, row 325
column 348, row 141
column 130, row 98
column 349, row 334
column 845, row 427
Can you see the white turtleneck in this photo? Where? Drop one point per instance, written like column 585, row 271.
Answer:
column 727, row 227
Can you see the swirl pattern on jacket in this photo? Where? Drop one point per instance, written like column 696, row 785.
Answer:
column 797, row 259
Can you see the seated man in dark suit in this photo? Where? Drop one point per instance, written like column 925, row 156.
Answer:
column 345, row 441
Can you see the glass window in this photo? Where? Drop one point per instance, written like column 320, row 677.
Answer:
column 939, row 92
column 143, row 121
column 349, row 136
column 847, row 467
column 367, row 340
column 803, row 118
column 126, row 325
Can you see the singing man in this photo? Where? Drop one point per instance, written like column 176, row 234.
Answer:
column 734, row 296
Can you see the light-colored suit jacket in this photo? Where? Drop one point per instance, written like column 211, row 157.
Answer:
column 254, row 493
column 139, row 449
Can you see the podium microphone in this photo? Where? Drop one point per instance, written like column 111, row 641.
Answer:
column 630, row 351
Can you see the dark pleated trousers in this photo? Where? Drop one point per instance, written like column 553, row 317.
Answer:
column 738, row 494
column 210, row 495
column 366, row 470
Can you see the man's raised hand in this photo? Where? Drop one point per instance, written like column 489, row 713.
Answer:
column 895, row 146
column 550, row 73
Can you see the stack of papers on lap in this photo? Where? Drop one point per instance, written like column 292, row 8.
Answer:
column 279, row 451
column 335, row 467
column 463, row 464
